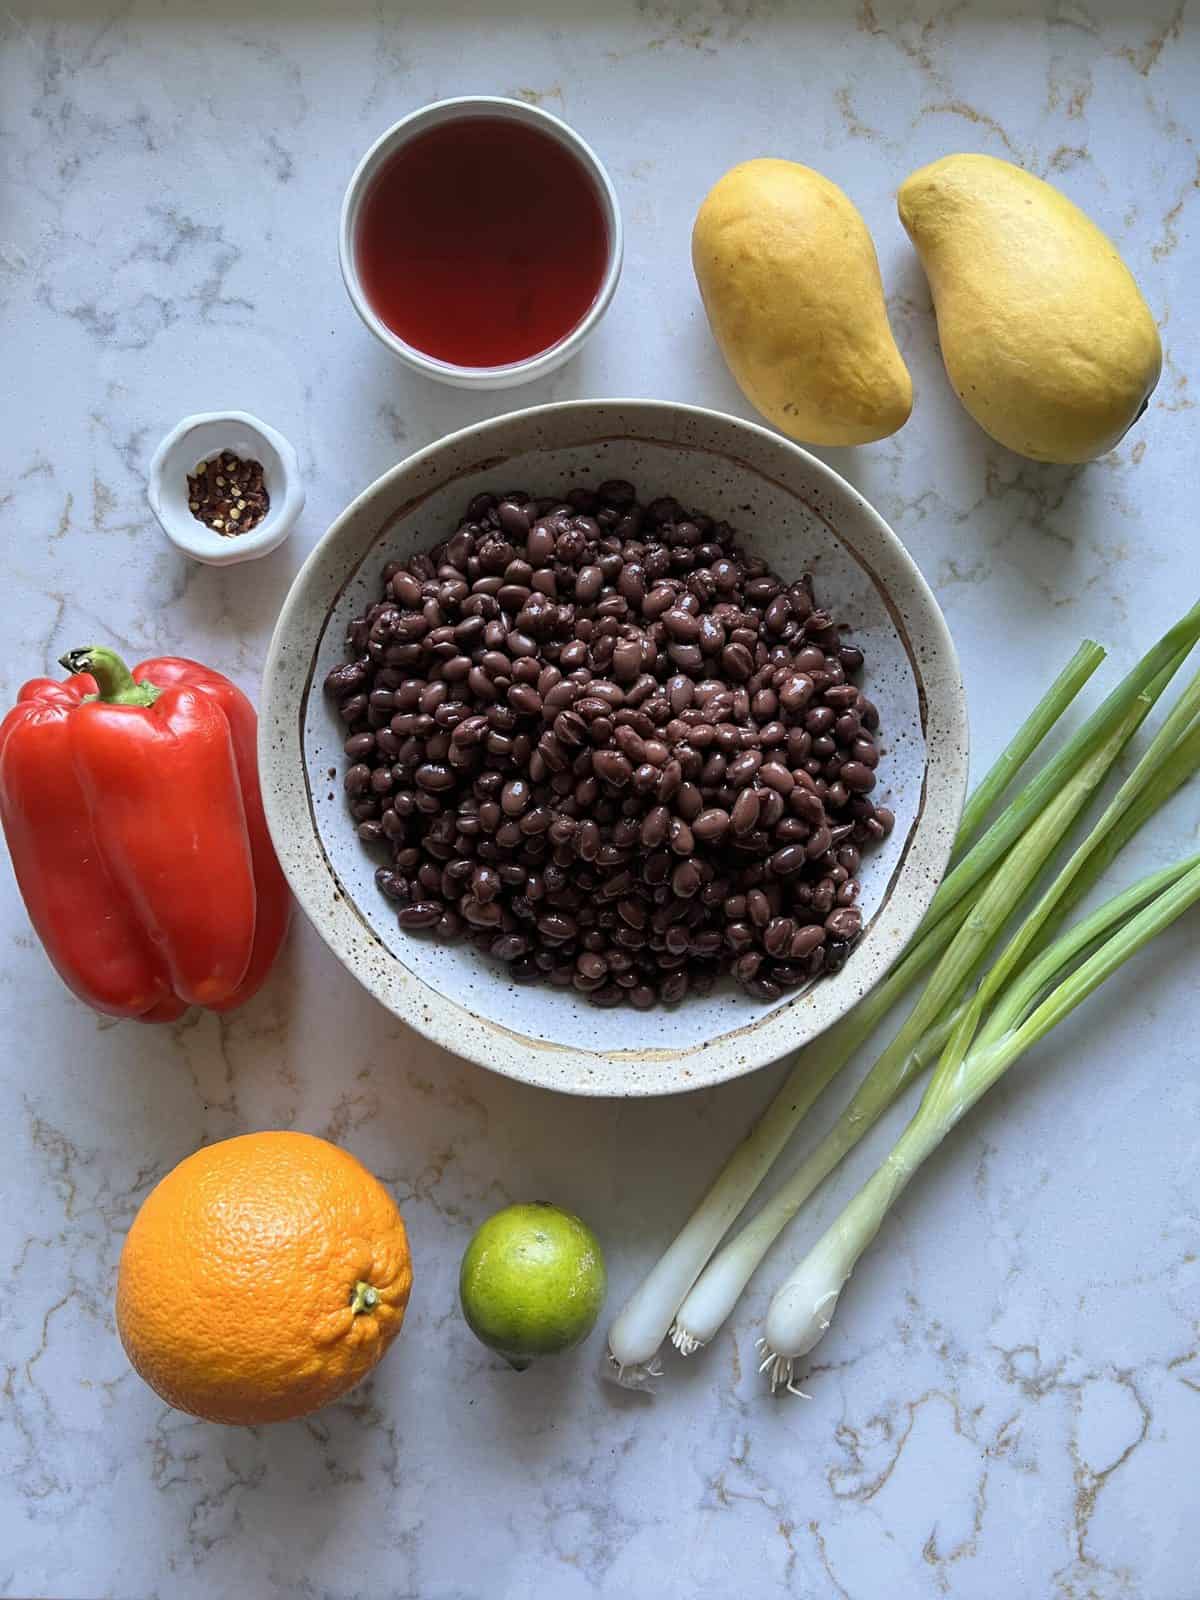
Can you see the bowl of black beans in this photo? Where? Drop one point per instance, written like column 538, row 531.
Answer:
column 617, row 746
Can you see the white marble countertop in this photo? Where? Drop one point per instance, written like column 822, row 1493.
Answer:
column 1010, row 1401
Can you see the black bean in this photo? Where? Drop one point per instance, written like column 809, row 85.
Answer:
column 682, row 839
column 759, row 908
column 743, row 768
column 805, row 941
column 844, row 923
column 777, row 613
column 434, row 777
column 842, row 697
column 777, row 777
column 481, row 913
column 823, row 896
column 745, row 812
column 788, row 860
column 819, row 843
column 681, row 625
column 673, row 988
column 627, row 659
column 837, row 796
column 485, row 883
column 449, row 928
column 392, row 884
column 514, row 797
column 760, row 590
column 346, row 680
column 689, row 802
column 685, row 880
column 711, row 825
column 655, row 827
column 588, row 840
column 420, row 914
column 857, row 777
column 737, row 662
column 746, row 966
column 513, row 519
column 612, row 767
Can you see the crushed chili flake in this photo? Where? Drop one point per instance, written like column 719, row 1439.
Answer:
column 228, row 494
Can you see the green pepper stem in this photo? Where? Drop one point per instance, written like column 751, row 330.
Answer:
column 114, row 680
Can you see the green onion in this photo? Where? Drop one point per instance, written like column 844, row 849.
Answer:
column 801, row 1311
column 644, row 1321
column 1026, row 739
column 1167, row 654
column 1026, row 992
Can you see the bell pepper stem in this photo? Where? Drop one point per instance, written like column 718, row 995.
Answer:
column 114, row 680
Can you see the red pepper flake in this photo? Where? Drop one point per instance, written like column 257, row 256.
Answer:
column 228, row 494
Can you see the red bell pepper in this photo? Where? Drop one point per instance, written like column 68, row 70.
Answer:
column 131, row 806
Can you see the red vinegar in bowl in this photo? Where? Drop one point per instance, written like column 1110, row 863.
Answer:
column 481, row 242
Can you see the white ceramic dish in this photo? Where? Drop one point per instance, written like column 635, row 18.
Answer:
column 200, row 437
column 432, row 116
column 798, row 514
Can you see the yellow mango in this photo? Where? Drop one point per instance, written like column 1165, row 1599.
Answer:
column 1045, row 336
column 790, row 281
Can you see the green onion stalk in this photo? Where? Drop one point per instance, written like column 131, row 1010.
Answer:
column 802, row 1310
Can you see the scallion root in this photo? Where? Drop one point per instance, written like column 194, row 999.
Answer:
column 686, row 1343
column 642, row 1376
column 779, row 1371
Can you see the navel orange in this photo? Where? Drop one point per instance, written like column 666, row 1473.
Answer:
column 262, row 1278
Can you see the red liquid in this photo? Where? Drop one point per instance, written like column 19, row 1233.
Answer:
column 481, row 242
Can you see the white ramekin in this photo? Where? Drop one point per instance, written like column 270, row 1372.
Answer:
column 431, row 116
column 199, row 438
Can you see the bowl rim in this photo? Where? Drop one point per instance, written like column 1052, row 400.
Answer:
column 467, row 107
column 445, row 1020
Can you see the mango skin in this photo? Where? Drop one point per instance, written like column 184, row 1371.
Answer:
column 790, row 281
column 1044, row 333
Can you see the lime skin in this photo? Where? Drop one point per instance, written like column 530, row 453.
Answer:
column 532, row 1282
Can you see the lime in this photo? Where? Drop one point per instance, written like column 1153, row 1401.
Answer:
column 532, row 1282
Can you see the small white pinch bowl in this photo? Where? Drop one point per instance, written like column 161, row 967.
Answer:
column 786, row 505
column 199, row 438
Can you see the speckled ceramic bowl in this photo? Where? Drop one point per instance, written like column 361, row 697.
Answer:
column 801, row 517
